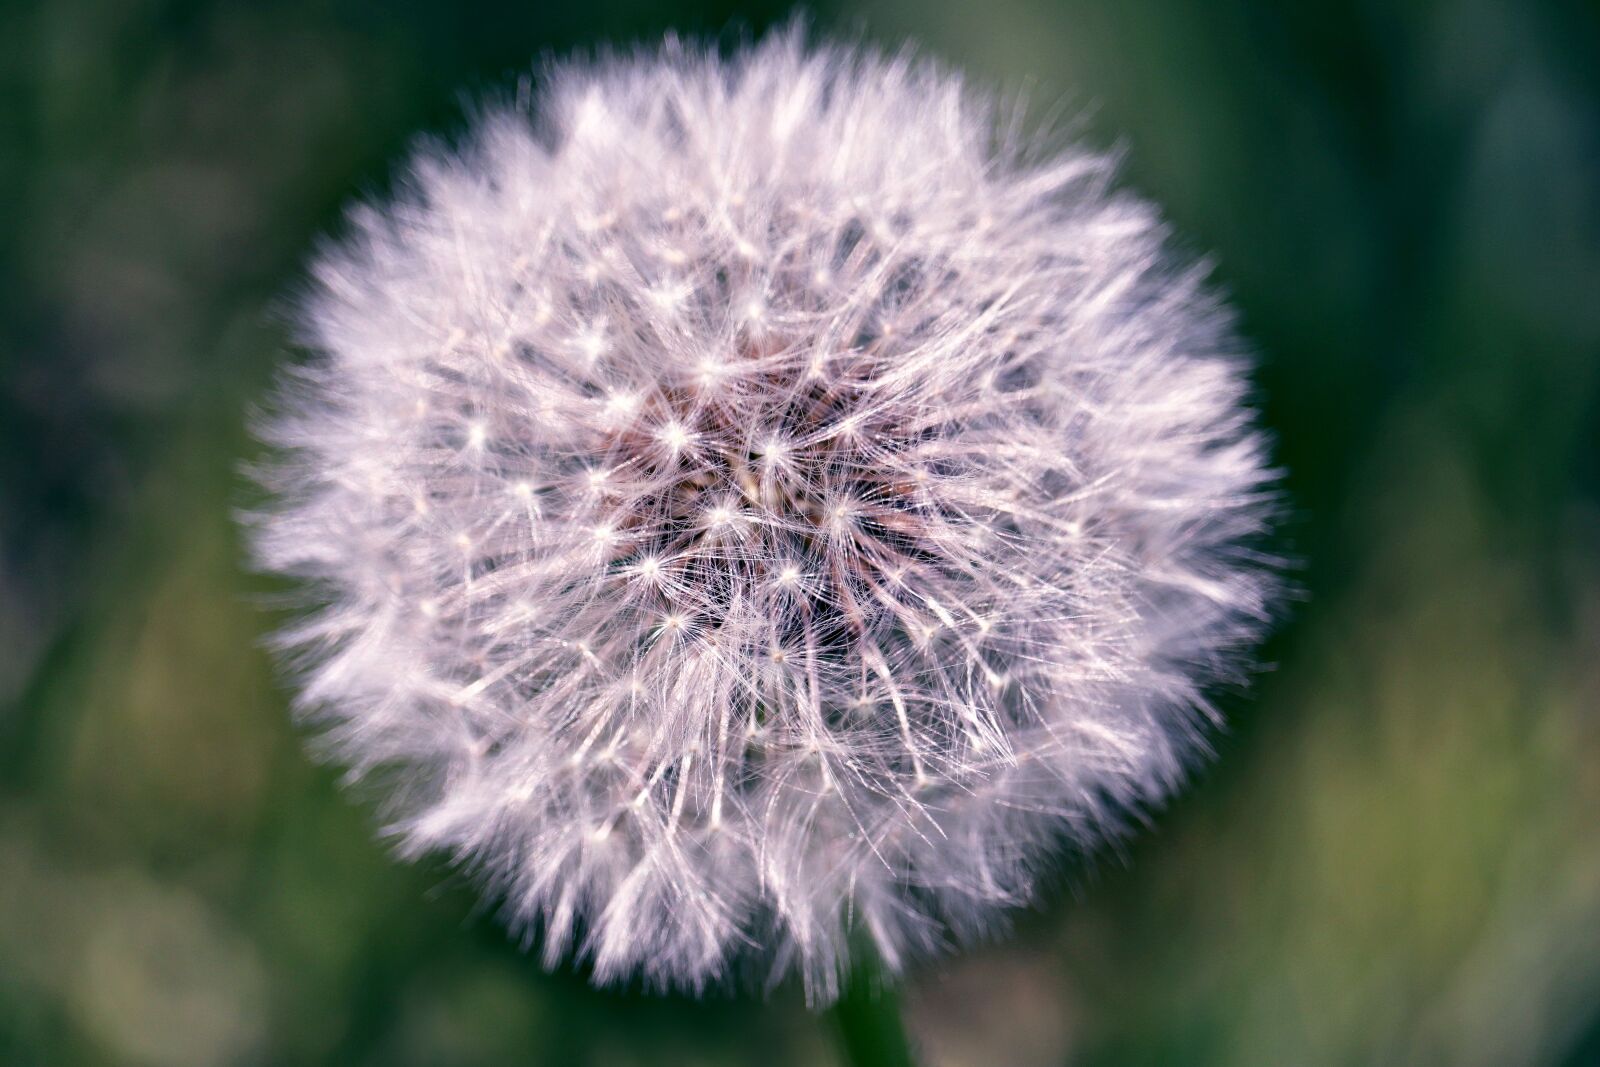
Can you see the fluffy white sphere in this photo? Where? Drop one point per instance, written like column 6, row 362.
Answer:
column 750, row 499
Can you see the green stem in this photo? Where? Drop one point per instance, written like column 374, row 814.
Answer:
column 867, row 1017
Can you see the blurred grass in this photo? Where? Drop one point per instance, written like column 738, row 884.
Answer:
column 1395, row 858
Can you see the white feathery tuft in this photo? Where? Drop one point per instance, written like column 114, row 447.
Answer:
column 754, row 499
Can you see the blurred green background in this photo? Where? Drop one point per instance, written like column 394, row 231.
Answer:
column 1396, row 859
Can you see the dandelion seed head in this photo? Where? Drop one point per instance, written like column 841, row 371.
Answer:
column 751, row 498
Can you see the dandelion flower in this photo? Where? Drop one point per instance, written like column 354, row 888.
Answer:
column 747, row 500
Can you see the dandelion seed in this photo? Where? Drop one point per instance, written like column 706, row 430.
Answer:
column 842, row 552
